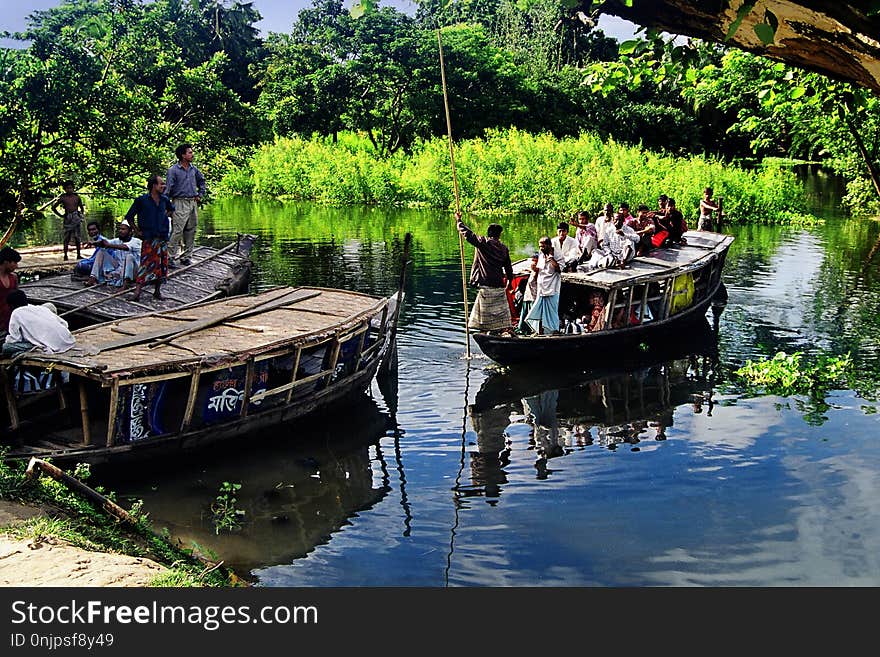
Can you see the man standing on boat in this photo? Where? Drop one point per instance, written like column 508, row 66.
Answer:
column 492, row 273
column 544, row 315
column 185, row 188
column 153, row 210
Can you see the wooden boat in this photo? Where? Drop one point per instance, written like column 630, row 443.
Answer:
column 651, row 300
column 180, row 379
column 214, row 273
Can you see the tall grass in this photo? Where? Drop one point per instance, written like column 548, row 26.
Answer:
column 510, row 171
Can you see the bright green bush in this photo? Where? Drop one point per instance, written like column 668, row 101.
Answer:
column 511, row 171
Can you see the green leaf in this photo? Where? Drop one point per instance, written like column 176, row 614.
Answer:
column 796, row 93
column 628, row 47
column 765, row 33
column 771, row 20
column 741, row 13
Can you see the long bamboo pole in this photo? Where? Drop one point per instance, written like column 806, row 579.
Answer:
column 467, row 332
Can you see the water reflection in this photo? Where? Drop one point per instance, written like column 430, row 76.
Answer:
column 298, row 487
column 656, row 472
column 564, row 412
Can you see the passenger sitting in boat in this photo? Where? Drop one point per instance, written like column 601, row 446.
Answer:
column 567, row 246
column 35, row 326
column 619, row 241
column 9, row 259
column 623, row 209
column 116, row 260
column 492, row 272
column 84, row 267
column 544, row 315
column 643, row 225
column 673, row 222
column 585, row 234
column 595, row 321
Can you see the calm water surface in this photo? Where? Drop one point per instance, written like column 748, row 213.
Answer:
column 458, row 474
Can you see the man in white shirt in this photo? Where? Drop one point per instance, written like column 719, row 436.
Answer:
column 567, row 247
column 35, row 326
column 544, row 315
column 116, row 260
column 619, row 241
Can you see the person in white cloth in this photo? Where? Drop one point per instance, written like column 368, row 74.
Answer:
column 35, row 326
column 117, row 260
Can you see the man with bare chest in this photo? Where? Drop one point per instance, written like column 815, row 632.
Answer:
column 72, row 215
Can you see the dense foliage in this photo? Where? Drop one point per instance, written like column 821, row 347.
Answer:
column 107, row 88
column 511, row 171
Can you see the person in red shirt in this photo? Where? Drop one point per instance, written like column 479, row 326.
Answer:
column 9, row 259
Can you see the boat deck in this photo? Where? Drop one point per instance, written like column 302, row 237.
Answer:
column 204, row 279
column 216, row 332
column 701, row 246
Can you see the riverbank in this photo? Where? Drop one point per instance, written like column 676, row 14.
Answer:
column 49, row 536
column 29, row 558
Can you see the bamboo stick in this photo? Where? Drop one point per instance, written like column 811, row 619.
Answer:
column 91, row 494
column 467, row 330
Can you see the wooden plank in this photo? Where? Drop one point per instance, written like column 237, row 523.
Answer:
column 262, row 306
column 293, row 373
column 163, row 332
column 248, row 385
column 191, row 399
column 166, row 376
column 10, row 397
column 84, row 413
column 111, row 416
column 629, row 303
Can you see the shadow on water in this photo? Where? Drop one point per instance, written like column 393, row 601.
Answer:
column 299, row 486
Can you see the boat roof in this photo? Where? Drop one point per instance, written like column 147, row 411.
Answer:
column 191, row 284
column 228, row 331
column 702, row 247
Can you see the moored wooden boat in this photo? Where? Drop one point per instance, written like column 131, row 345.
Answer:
column 214, row 273
column 648, row 303
column 180, row 379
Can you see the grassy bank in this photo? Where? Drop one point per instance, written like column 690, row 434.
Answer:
column 510, row 171
column 76, row 521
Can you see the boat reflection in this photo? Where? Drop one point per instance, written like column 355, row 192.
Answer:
column 564, row 412
column 297, row 489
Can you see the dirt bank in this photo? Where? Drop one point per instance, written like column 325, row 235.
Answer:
column 47, row 561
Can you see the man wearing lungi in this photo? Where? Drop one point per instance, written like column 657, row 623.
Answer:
column 492, row 273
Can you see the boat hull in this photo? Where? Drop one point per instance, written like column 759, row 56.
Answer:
column 592, row 348
column 243, row 430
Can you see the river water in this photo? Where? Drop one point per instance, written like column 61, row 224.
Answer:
column 458, row 474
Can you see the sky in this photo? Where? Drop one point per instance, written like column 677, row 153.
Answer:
column 278, row 15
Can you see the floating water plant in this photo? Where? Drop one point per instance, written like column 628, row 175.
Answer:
column 791, row 374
